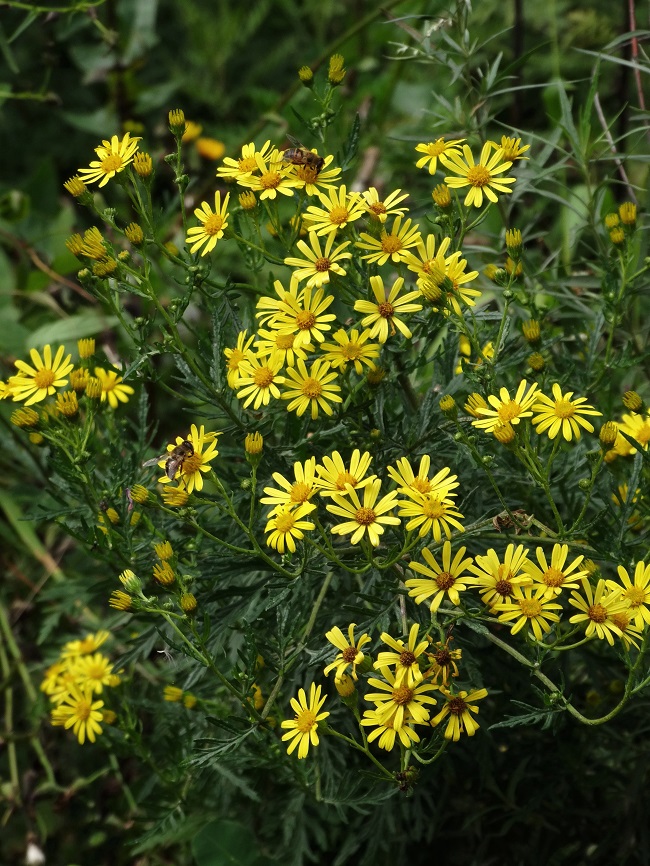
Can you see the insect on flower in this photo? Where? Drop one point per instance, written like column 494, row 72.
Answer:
column 300, row 155
column 173, row 459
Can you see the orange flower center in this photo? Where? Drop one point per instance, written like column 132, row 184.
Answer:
column 634, row 595
column 345, row 478
column 351, row 351
column 312, row 388
column 305, row 320
column 307, row 173
column 44, row 378
column 365, row 516
column 553, row 577
column 433, row 509
column 509, row 410
column 407, row 658
column 457, row 706
column 445, row 580
column 247, row 164
column 270, row 180
column 621, row 620
column 284, row 522
column 305, row 721
column 284, row 341
column 503, row 586
column 385, row 310
column 111, row 163
column 402, row 695
column 435, row 148
column 300, row 492
column 213, row 224
column 597, row 613
column 192, row 464
column 349, row 654
column 479, row 176
column 235, row 359
column 422, row 485
column 339, row 215
column 322, row 264
column 96, row 671
column 378, row 208
column 82, row 710
column 443, row 658
column 564, row 409
column 263, row 377
column 390, row 243
column 531, row 607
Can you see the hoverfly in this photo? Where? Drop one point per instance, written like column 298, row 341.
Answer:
column 300, row 155
column 173, row 459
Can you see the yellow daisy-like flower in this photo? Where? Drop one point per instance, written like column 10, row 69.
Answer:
column 303, row 727
column 339, row 209
column 433, row 149
column 79, row 712
column 385, row 731
column 380, row 210
column 351, row 349
column 282, row 345
column 94, row 672
column 597, row 609
column 189, row 472
column 387, row 308
column 368, row 519
column 292, row 493
column 636, row 426
column 259, row 380
column 234, row 358
column 413, row 485
column 33, row 384
column 311, row 181
column 499, row 579
column 399, row 703
column 455, row 272
column 307, row 318
column 334, row 476
column 90, row 644
column 242, row 168
column 482, row 177
column 441, row 582
column 443, row 662
column 309, row 390
column 404, row 657
column 431, row 513
column 428, row 258
column 113, row 157
column 635, row 592
column 318, row 263
column 531, row 606
column 630, row 631
column 459, row 708
column 556, row 576
column 273, row 177
column 212, row 225
column 506, row 410
column 393, row 245
column 112, row 388
column 286, row 302
column 286, row 525
column 561, row 413
column 349, row 655
column 510, row 147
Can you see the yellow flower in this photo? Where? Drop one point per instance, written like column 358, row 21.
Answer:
column 393, row 246
column 482, row 177
column 79, row 712
column 498, row 579
column 94, row 672
column 350, row 651
column 459, row 708
column 441, row 582
column 529, row 605
column 334, row 477
column 413, row 485
column 286, row 524
column 172, row 694
column 86, row 347
column 398, row 703
column 352, row 349
column 303, row 727
column 386, row 732
column 561, row 413
column 597, row 609
column 431, row 513
column 368, row 519
column 305, row 316
column 434, row 149
column 242, row 168
column 112, row 389
column 636, row 593
column 281, row 345
column 210, row 148
column 556, row 576
column 427, row 258
column 511, row 148
column 311, row 180
column 636, row 426
column 33, row 384
column 387, row 308
column 273, row 177
column 454, row 271
column 339, row 208
column 380, row 210
column 174, row 497
column 241, row 352
column 630, row 631
column 192, row 131
column 311, row 389
column 113, row 157
column 259, row 380
column 292, row 493
column 504, row 409
column 404, row 657
column 90, row 644
column 212, row 225
column 318, row 263
column 188, row 473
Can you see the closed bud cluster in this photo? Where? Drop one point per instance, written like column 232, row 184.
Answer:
column 112, row 515
column 189, row 701
column 608, row 434
column 632, row 401
column 627, row 213
column 474, row 402
column 93, row 244
column 336, row 72
column 36, row 438
column 172, row 694
column 531, row 331
column 513, row 244
column 210, row 148
column 513, row 266
column 164, row 550
column 175, row 497
column 448, row 407
column 497, row 275
column 120, row 600
column 163, row 573
column 441, row 195
column 104, row 269
column 75, row 244
column 306, row 76
column 536, row 362
column 67, row 403
column 79, row 379
column 75, row 186
column 617, row 236
column 25, row 417
column 134, row 234
column 344, row 685
column 124, row 256
column 253, row 444
column 504, row 433
column 247, row 200
column 140, row 494
column 86, row 347
column 142, row 164
column 130, row 581
column 431, row 291
column 188, row 602
column 375, row 377
column 177, row 121
column 611, row 220
column 93, row 388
